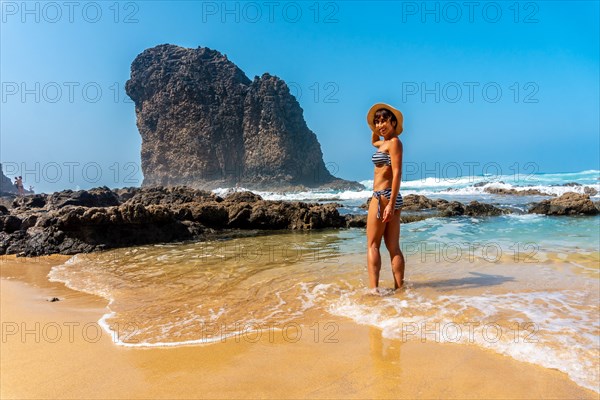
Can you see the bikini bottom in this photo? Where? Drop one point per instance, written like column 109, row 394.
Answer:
column 387, row 193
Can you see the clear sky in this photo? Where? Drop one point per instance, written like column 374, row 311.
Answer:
column 484, row 86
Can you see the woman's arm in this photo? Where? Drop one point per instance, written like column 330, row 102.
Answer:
column 375, row 140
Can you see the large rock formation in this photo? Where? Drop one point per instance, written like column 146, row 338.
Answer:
column 7, row 186
column 205, row 124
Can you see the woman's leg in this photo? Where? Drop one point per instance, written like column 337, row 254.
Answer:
column 391, row 236
column 375, row 230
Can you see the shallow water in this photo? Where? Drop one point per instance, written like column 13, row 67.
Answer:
column 470, row 281
column 522, row 285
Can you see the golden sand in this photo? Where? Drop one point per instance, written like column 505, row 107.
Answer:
column 67, row 355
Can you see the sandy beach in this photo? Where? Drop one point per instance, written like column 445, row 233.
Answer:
column 58, row 350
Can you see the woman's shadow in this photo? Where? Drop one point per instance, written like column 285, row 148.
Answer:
column 477, row 280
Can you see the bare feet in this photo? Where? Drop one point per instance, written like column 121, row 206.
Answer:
column 381, row 292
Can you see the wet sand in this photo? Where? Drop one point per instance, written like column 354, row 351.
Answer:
column 58, row 350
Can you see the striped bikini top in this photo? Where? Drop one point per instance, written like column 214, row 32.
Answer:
column 380, row 158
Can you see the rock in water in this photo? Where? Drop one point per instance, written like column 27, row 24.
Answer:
column 569, row 203
column 205, row 124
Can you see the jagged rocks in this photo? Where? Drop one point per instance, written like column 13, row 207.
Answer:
column 158, row 214
column 10, row 223
column 144, row 216
column 356, row 221
column 450, row 209
column 570, row 203
column 477, row 209
column 414, row 202
column 515, row 192
column 7, row 186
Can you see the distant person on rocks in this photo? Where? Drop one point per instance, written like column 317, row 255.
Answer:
column 20, row 187
column 383, row 218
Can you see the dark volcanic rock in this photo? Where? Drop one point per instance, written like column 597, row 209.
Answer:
column 417, row 202
column 481, row 184
column 476, row 208
column 35, row 201
column 570, row 203
column 7, row 186
column 205, row 124
column 172, row 195
column 245, row 196
column 569, row 184
column 450, row 209
column 356, row 221
column 10, row 223
column 515, row 192
column 97, row 197
column 420, row 207
column 278, row 146
column 157, row 215
column 284, row 215
column 147, row 215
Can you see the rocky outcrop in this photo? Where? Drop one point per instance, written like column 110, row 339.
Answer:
column 205, row 124
column 570, row 203
column 450, row 208
column 477, row 209
column 6, row 185
column 417, row 207
column 73, row 222
column 360, row 221
column 515, row 192
column 413, row 202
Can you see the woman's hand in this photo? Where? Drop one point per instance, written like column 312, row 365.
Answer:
column 387, row 213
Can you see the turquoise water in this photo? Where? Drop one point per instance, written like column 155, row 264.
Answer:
column 530, row 233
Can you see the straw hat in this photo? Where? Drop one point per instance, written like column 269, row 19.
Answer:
column 397, row 113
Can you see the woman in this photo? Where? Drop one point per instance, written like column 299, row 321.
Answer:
column 384, row 209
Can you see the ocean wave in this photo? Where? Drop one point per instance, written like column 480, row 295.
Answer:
column 475, row 187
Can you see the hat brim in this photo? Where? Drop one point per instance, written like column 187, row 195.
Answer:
column 397, row 113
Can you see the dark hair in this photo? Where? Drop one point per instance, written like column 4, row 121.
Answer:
column 384, row 114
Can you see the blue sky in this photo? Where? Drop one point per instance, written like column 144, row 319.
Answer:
column 500, row 85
